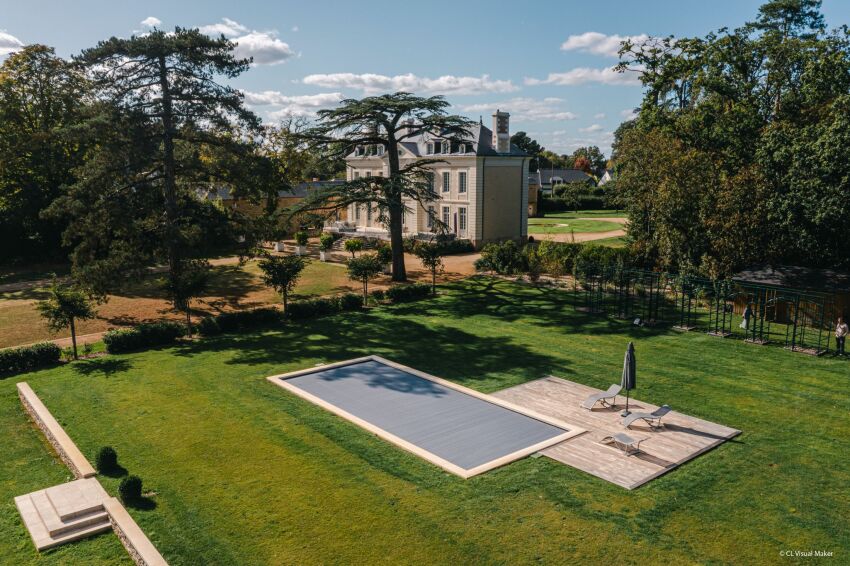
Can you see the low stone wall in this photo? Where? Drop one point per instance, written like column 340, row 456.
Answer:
column 55, row 434
column 138, row 546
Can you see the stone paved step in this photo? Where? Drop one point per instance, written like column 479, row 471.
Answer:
column 55, row 525
column 79, row 497
column 38, row 531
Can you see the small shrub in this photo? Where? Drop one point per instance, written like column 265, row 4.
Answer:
column 326, row 241
column 28, row 358
column 88, row 348
column 301, row 238
column 142, row 336
column 404, row 293
column 378, row 295
column 505, row 258
column 350, row 302
column 385, row 253
column 106, row 459
column 130, row 489
column 209, row 326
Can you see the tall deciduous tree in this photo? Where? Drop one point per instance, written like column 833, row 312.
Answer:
column 165, row 128
column 386, row 120
column 740, row 153
column 42, row 97
column 530, row 146
column 64, row 306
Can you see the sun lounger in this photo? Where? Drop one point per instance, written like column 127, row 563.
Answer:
column 612, row 393
column 653, row 419
column 624, row 442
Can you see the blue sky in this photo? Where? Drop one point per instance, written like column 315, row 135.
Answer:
column 543, row 61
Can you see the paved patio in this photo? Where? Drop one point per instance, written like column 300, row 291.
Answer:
column 681, row 439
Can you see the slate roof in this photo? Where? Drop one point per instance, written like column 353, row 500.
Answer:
column 566, row 176
column 480, row 138
column 298, row 191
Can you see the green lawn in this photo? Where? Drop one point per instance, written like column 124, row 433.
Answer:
column 245, row 473
column 566, row 222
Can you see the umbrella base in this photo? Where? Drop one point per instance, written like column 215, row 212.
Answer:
column 625, row 413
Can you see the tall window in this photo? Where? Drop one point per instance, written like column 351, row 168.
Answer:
column 380, row 150
column 368, row 174
column 461, row 182
column 461, row 219
column 357, row 174
column 430, row 148
column 357, row 212
column 430, row 182
column 446, row 215
column 431, row 214
column 447, row 178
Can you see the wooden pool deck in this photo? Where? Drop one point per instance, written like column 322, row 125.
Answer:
column 682, row 438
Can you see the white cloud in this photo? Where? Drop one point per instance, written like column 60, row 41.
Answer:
column 263, row 46
column 284, row 106
column 295, row 28
column 599, row 43
column 591, row 128
column 9, row 43
column 151, row 22
column 523, row 109
column 600, row 116
column 373, row 83
column 227, row 28
column 585, row 75
column 628, row 114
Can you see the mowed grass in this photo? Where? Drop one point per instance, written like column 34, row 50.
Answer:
column 245, row 473
column 231, row 287
column 579, row 222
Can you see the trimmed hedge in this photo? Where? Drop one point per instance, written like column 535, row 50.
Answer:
column 301, row 310
column 142, row 336
column 404, row 293
column 447, row 246
column 28, row 358
column 231, row 321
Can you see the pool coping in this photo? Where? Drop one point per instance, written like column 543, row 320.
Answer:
column 570, row 431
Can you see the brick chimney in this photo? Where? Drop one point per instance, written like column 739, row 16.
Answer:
column 501, row 132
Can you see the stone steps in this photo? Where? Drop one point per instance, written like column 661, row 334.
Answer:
column 64, row 513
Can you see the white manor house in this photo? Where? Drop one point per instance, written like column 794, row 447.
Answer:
column 482, row 185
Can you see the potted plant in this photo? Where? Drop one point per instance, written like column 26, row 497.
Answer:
column 301, row 242
column 326, row 241
column 385, row 256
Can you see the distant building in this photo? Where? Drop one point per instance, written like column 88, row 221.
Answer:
column 548, row 179
column 285, row 198
column 481, row 183
column 533, row 195
column 607, row 177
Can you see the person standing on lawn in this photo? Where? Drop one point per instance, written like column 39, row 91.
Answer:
column 841, row 331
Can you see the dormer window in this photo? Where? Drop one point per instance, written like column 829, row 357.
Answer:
column 380, row 149
column 446, row 147
column 430, row 149
column 461, row 148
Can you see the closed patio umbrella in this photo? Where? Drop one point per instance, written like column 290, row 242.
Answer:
column 629, row 375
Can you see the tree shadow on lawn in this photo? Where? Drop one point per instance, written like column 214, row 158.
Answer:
column 108, row 366
column 230, row 282
column 445, row 352
column 511, row 302
column 142, row 503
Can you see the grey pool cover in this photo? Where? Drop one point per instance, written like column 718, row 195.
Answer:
column 465, row 430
